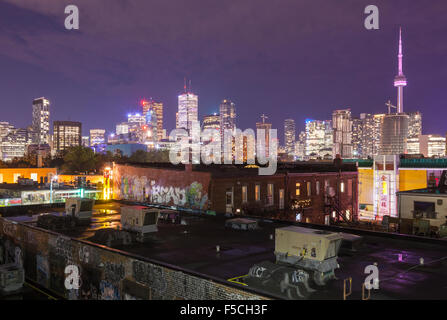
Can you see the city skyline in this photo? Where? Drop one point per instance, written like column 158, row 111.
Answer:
column 358, row 76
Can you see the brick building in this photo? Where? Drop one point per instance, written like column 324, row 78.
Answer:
column 307, row 192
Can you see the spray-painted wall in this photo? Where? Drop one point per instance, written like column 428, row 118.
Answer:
column 105, row 273
column 169, row 187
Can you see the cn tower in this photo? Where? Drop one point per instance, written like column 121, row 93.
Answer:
column 400, row 81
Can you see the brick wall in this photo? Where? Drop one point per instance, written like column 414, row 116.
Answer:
column 106, row 274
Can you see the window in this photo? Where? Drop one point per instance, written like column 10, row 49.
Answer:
column 384, row 188
column 34, row 176
column 244, row 194
column 16, row 177
column 270, row 194
column 298, row 217
column 257, row 192
column 342, row 186
column 297, row 188
column 281, row 198
column 1, row 177
column 317, row 188
column 309, row 188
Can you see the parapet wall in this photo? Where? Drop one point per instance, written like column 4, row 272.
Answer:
column 105, row 273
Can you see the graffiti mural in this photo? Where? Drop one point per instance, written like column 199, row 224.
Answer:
column 142, row 189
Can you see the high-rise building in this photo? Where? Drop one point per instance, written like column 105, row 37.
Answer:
column 432, row 145
column 188, row 108
column 342, row 129
column 157, row 107
column 97, row 136
column 66, row 134
column 266, row 127
column 300, row 146
column 15, row 143
column 357, row 138
column 211, row 121
column 227, row 111
column 377, row 133
column 315, row 134
column 289, row 136
column 86, row 141
column 41, row 120
column 414, row 132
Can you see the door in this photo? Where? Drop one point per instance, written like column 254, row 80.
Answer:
column 229, row 200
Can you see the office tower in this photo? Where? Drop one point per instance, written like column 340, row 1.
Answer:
column 289, row 136
column 85, row 141
column 15, row 143
column 432, row 145
column 227, row 111
column 136, row 118
column 122, row 128
column 97, row 136
column 66, row 134
column 267, row 127
column 211, row 121
column 5, row 129
column 377, row 133
column 300, row 146
column 357, row 138
column 315, row 138
column 342, row 129
column 188, row 105
column 41, row 120
column 149, row 131
column 414, row 131
column 414, row 124
column 394, row 134
column 157, row 107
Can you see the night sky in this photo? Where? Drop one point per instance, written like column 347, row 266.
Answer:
column 294, row 59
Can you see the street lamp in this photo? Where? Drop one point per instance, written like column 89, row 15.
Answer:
column 53, row 178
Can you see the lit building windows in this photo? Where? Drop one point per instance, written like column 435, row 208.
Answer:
column 244, row 194
column 309, row 188
column 270, row 194
column 297, row 188
column 257, row 192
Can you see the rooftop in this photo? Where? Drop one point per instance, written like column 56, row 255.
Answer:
column 192, row 246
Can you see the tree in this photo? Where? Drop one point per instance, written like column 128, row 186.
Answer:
column 79, row 159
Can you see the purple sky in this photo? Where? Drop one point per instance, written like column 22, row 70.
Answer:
column 286, row 58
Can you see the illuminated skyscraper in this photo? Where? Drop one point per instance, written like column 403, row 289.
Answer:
column 158, row 108
column 66, row 134
column 188, row 105
column 342, row 128
column 266, row 126
column 97, row 136
column 315, row 138
column 211, row 121
column 41, row 120
column 227, row 111
column 289, row 136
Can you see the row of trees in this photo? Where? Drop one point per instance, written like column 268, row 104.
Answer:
column 81, row 159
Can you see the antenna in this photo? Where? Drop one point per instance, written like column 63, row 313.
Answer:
column 263, row 116
column 389, row 105
column 184, row 84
